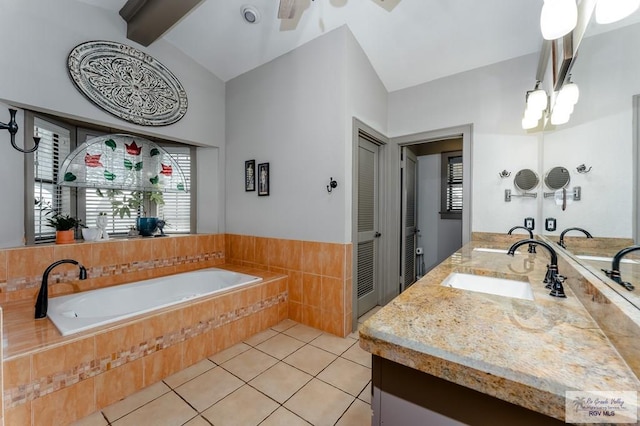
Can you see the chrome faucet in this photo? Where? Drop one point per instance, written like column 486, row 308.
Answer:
column 552, row 278
column 561, row 242
column 532, row 247
column 614, row 273
column 42, row 302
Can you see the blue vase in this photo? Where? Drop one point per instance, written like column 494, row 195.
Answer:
column 147, row 225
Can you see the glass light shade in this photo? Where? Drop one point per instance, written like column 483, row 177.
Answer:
column 608, row 11
column 558, row 18
column 569, row 94
column 534, row 114
column 537, row 100
column 563, row 108
column 528, row 123
column 559, row 117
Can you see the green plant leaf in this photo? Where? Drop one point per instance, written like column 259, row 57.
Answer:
column 139, row 166
column 154, row 152
column 69, row 177
column 99, row 192
column 154, row 180
column 128, row 164
column 108, row 175
column 111, row 144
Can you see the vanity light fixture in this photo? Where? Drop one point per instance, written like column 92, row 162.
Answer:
column 537, row 102
column 565, row 101
column 608, row 11
column 558, row 18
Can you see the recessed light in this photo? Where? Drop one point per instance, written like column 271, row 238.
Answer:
column 250, row 14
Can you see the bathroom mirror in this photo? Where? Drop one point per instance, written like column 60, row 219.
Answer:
column 557, row 178
column 526, row 180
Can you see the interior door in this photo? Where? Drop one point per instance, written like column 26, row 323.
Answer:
column 368, row 235
column 409, row 215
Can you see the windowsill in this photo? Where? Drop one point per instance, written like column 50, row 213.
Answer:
column 450, row 215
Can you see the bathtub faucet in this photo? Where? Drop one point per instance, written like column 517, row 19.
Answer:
column 42, row 302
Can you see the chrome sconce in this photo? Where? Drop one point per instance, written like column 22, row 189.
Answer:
column 12, row 127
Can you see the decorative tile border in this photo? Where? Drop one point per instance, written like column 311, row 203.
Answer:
column 25, row 283
column 45, row 385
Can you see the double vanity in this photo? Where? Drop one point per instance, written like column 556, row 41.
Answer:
column 454, row 348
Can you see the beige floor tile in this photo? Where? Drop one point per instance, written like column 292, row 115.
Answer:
column 346, row 375
column 302, row 332
column 282, row 417
column 95, row 419
column 280, row 381
column 319, row 403
column 189, row 373
column 365, row 395
column 280, row 346
column 310, row 359
column 229, row 353
column 168, row 410
column 283, row 325
column 137, row 400
column 256, row 339
column 331, row 343
column 209, row 388
column 197, row 421
column 367, row 315
column 244, row 407
column 359, row 413
column 249, row 364
column 356, row 354
column 355, row 335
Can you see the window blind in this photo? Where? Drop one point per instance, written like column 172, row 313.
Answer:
column 176, row 210
column 55, row 145
column 454, row 184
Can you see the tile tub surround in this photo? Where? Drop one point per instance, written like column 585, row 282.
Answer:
column 111, row 262
column 524, row 352
column 50, row 379
column 320, row 283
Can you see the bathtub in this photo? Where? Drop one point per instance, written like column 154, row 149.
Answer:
column 89, row 309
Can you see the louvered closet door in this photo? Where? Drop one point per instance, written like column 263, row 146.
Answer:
column 367, row 225
column 409, row 214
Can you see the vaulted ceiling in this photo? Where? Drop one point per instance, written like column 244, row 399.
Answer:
column 408, row 42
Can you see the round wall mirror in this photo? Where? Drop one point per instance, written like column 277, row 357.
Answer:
column 526, row 180
column 557, row 178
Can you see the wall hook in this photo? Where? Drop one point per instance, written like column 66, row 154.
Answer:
column 332, row 184
column 583, row 169
column 504, row 174
column 12, row 127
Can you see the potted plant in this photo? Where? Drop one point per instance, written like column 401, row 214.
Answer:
column 65, row 226
column 123, row 204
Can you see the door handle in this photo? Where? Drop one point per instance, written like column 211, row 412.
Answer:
column 377, row 235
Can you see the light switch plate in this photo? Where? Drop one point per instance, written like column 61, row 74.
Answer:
column 550, row 224
column 529, row 223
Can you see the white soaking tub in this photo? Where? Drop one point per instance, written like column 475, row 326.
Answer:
column 82, row 311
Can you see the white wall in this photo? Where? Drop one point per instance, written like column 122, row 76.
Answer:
column 599, row 135
column 438, row 237
column 38, row 36
column 492, row 98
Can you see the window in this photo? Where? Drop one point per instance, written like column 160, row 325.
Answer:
column 57, row 141
column 451, row 185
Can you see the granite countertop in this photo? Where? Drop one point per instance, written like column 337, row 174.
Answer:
column 525, row 352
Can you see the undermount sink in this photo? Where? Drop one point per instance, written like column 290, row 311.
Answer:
column 490, row 285
column 605, row 259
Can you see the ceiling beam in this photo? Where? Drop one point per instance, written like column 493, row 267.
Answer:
column 148, row 20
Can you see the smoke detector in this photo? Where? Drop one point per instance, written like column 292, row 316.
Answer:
column 250, row 14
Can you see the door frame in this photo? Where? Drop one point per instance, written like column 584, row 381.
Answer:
column 381, row 253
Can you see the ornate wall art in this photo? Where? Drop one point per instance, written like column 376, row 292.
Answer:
column 127, row 83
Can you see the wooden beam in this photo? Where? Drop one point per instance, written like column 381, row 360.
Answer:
column 148, row 20
column 287, row 9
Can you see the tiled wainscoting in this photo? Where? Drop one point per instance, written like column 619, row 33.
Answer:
column 320, row 284
column 50, row 379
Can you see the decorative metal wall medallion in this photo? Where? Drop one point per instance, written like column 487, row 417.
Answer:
column 127, row 83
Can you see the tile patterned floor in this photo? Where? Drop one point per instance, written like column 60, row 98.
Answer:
column 290, row 375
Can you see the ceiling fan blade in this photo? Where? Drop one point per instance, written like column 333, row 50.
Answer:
column 287, row 9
